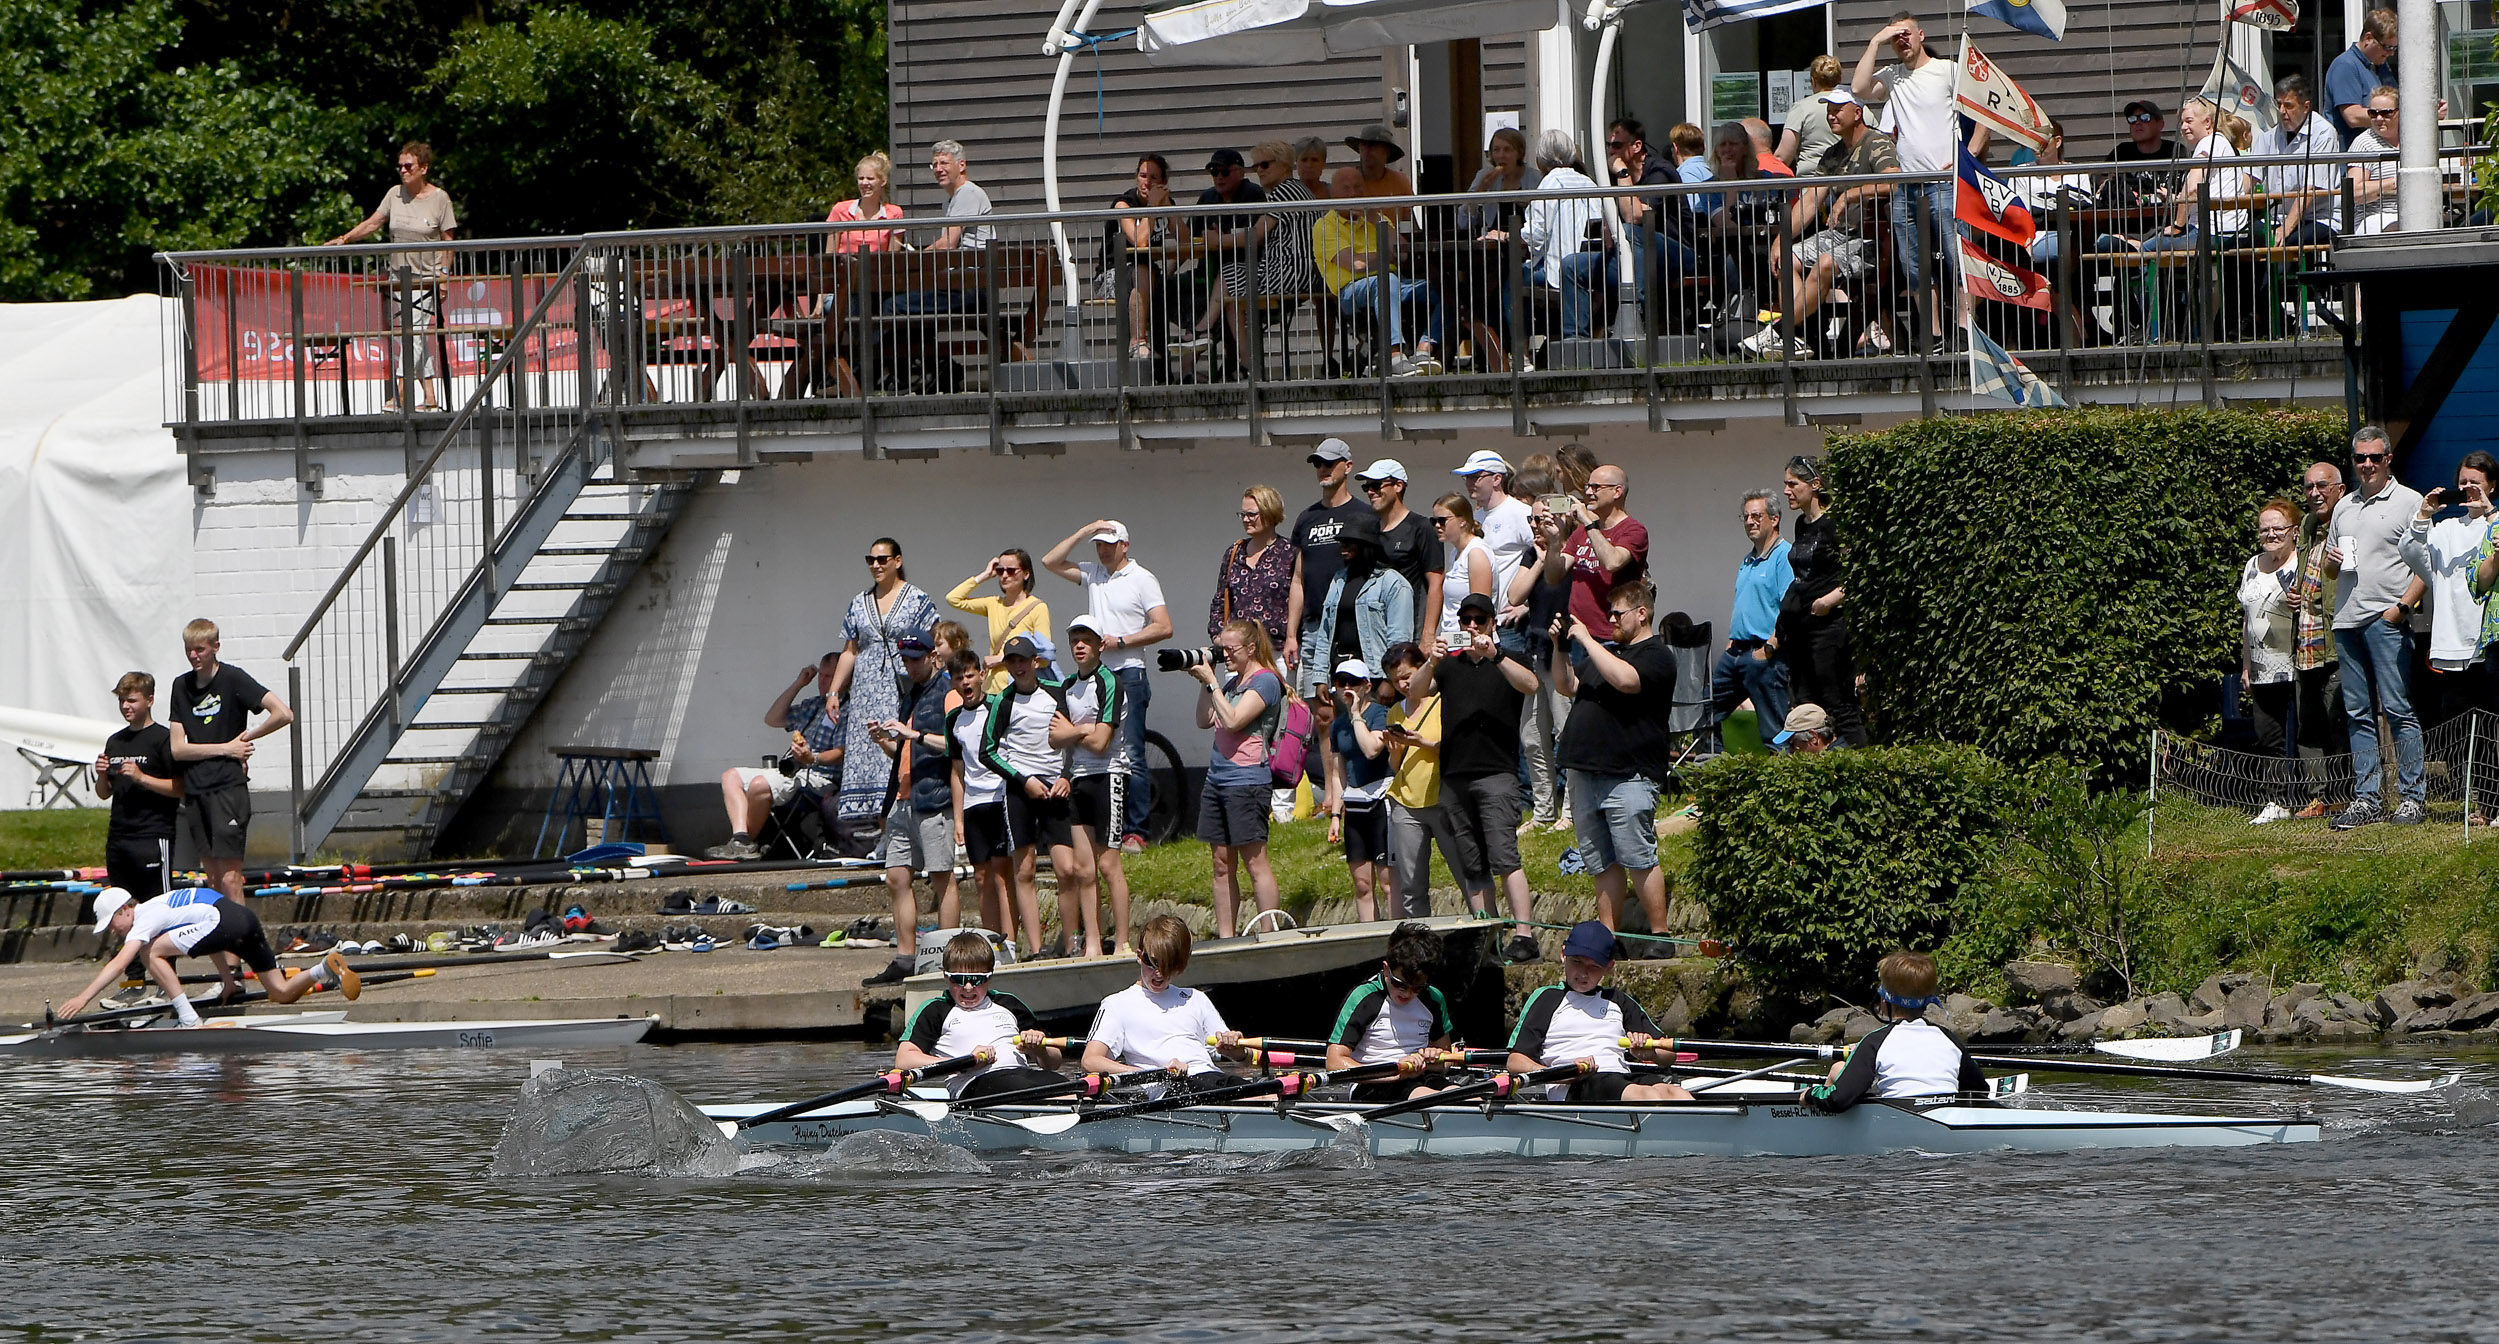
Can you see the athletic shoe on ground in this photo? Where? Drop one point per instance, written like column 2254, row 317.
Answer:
column 834, row 939
column 702, row 943
column 2408, row 813
column 716, row 905
column 895, row 971
column 2314, row 811
column 1132, row 843
column 1401, row 367
column 636, row 940
column 678, row 902
column 1425, row 364
column 2273, row 812
column 333, row 973
column 1522, row 949
column 734, row 849
column 2362, row 812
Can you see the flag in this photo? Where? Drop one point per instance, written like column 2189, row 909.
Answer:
column 1995, row 373
column 2273, row 15
column 1983, row 200
column 2003, row 281
column 2044, row 17
column 2242, row 81
column 1701, row 14
column 1990, row 97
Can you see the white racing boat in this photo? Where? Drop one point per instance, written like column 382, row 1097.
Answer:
column 287, row 1032
column 1538, row 1129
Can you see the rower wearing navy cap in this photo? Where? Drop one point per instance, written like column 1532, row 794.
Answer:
column 199, row 921
column 1908, row 1056
column 1584, row 1018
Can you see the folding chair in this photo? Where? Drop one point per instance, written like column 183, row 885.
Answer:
column 1693, row 652
column 797, row 827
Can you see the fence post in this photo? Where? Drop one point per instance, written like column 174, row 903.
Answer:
column 2207, row 301
column 2152, row 795
column 1522, row 342
column 2472, row 744
column 295, row 762
column 1124, row 335
column 390, row 626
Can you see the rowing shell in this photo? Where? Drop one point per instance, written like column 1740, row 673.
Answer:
column 1538, row 1129
column 325, row 1031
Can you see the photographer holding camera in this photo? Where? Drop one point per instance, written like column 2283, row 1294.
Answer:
column 1244, row 704
column 749, row 793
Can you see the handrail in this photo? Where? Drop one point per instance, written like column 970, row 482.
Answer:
column 512, row 349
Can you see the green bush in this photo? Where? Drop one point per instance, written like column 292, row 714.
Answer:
column 1814, row 866
column 2057, row 583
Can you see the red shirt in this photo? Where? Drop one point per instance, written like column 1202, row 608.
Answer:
column 1592, row 585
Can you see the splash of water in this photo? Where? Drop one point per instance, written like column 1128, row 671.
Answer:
column 577, row 1122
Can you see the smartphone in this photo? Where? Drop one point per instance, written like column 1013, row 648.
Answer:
column 1559, row 505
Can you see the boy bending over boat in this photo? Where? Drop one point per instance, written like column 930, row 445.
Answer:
column 970, row 1017
column 1908, row 1056
column 1584, row 1019
column 1156, row 1024
column 198, row 921
column 1395, row 1015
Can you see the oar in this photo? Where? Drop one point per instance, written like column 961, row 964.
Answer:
column 892, row 1081
column 159, row 1009
column 1707, row 947
column 1501, row 1084
column 2164, row 1049
column 1283, row 1084
column 1697, row 1088
column 1747, row 1050
column 1087, row 1086
column 836, row 883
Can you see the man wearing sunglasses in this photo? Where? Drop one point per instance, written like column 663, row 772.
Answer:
column 1395, row 1015
column 2144, row 143
column 1616, row 746
column 970, row 1017
column 2376, row 594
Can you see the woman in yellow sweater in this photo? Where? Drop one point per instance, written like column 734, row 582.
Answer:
column 1015, row 611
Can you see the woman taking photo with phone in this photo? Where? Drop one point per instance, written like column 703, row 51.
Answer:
column 1244, row 704
column 2443, row 544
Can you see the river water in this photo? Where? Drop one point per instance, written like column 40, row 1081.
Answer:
column 345, row 1197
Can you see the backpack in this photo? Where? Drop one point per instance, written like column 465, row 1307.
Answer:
column 1288, row 746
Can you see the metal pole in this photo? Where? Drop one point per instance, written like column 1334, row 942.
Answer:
column 1514, row 262
column 1058, row 42
column 295, row 775
column 2472, row 740
column 390, row 626
column 2152, row 794
column 2417, row 193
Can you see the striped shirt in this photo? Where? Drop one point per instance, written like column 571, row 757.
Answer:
column 1286, row 264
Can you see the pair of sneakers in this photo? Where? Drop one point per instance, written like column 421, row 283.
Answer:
column 2368, row 811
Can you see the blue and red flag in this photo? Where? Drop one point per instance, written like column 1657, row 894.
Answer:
column 1988, row 203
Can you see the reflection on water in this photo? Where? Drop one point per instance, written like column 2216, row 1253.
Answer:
column 303, row 1197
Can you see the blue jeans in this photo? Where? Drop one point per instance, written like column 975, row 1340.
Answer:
column 1137, row 693
column 1933, row 202
column 1650, row 247
column 1582, row 273
column 1738, row 677
column 2377, row 659
column 1362, row 296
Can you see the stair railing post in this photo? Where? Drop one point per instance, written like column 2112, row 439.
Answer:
column 295, row 774
column 390, row 626
column 486, row 503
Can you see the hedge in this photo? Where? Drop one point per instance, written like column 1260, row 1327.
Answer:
column 2057, row 583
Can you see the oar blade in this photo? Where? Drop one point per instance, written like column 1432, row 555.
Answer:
column 1044, row 1125
column 2393, row 1086
column 2172, row 1049
column 2010, row 1085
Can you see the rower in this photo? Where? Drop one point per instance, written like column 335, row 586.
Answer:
column 198, row 921
column 972, row 1017
column 1583, row 1020
column 1907, row 1056
column 1395, row 1015
column 1157, row 1024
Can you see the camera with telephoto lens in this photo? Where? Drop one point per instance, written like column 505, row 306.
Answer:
column 1176, row 660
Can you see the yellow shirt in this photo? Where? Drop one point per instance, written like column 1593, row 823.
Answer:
column 1333, row 234
column 1416, row 783
column 1030, row 617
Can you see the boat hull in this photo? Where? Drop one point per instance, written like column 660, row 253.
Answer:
column 288, row 1034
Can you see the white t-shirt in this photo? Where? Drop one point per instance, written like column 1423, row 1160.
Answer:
column 1453, row 589
column 2376, row 216
column 2222, row 180
column 188, row 913
column 1918, row 114
column 2268, row 626
column 1085, row 696
column 1024, row 739
column 943, row 1029
column 1511, row 536
column 980, row 783
column 1120, row 604
column 1148, row 1031
column 1916, row 1059
column 2444, row 553
column 2309, row 141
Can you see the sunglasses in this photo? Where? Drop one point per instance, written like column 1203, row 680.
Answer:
column 883, row 559
column 1264, row 164
column 967, row 979
column 1373, row 487
column 1416, row 985
column 1470, row 622
column 1148, row 962
column 1804, row 468
column 2369, row 457
column 2382, row 111
column 2141, row 119
column 1622, row 613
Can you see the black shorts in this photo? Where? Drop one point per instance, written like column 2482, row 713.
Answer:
column 1601, row 1087
column 213, row 824
column 1366, row 831
column 139, row 865
column 238, row 934
column 1380, row 1094
column 1229, row 814
column 985, row 832
column 1022, row 1078
column 1096, row 807
column 1045, row 822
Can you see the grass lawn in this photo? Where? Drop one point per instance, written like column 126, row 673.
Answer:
column 60, row 838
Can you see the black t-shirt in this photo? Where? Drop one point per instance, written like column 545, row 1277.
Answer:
column 1314, row 535
column 139, row 812
column 1250, row 194
column 216, row 712
column 1112, row 239
column 2138, row 188
column 1611, row 733
column 1345, row 641
column 1815, row 557
column 1414, row 549
column 1479, row 712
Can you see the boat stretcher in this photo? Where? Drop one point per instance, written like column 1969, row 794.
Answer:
column 287, row 1032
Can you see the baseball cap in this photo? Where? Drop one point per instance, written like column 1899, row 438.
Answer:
column 107, row 903
column 1021, row 646
column 1840, row 95
column 1084, row 623
column 1483, row 460
column 1592, row 940
column 913, row 644
column 1332, row 450
column 1386, row 469
column 1802, row 719
column 1479, row 604
column 2140, row 105
column 1354, row 667
column 1113, row 530
column 1225, row 158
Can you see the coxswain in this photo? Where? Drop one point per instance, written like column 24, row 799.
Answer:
column 973, row 1017
column 1395, row 1016
column 1157, row 1024
column 1585, row 1020
column 1907, row 1056
column 199, row 921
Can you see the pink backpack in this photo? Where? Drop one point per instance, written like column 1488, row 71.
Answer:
column 1288, row 749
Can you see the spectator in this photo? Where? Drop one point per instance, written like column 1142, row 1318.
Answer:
column 2268, row 635
column 1540, row 595
column 1813, row 634
column 1255, row 580
column 415, row 211
column 1148, row 294
column 944, row 638
column 1483, row 691
column 1409, row 542
column 1690, row 146
column 1659, row 221
column 864, row 692
column 1357, row 783
column 2373, row 182
column 1617, row 747
column 1505, row 169
column 1843, row 248
column 1222, row 245
column 1607, row 546
column 211, row 735
column 1014, row 611
column 1124, row 604
column 2311, row 212
column 1377, row 148
column 1315, row 562
column 1286, row 264
column 1415, row 819
column 2323, row 730
column 1348, row 246
column 1740, row 223
column 919, row 825
column 965, row 199
column 2047, row 191
column 917, row 360
column 1573, row 464
column 1467, row 563
column 2365, row 67
column 1040, row 807
column 875, row 175
column 136, row 774
column 1087, row 728
column 1244, row 704
column 1808, row 133
column 1764, row 157
column 1504, row 524
column 2213, row 136
column 749, row 793
column 2485, row 579
column 2145, row 142
column 1746, row 672
column 1369, row 605
column 1807, row 731
column 1553, row 228
column 2443, row 544
column 1310, row 166
column 980, row 806
column 1919, row 115
column 2375, row 595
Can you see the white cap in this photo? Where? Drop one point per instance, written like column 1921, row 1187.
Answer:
column 1113, row 530
column 1354, row 667
column 108, row 903
column 1386, row 469
column 1483, row 460
column 1839, row 95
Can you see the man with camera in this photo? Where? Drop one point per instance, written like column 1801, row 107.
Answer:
column 1124, row 605
column 1483, row 691
column 1607, row 546
column 749, row 793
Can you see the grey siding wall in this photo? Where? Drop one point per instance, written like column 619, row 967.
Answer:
column 1505, row 76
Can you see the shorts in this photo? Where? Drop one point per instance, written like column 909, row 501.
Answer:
column 782, row 785
column 213, row 824
column 1047, row 822
column 238, row 934
column 985, row 832
column 1482, row 814
column 1366, row 831
column 1233, row 814
column 922, row 841
column 139, row 865
column 1098, row 800
column 1615, row 818
column 1020, row 1078
column 1851, row 256
column 1380, row 1094
column 1601, row 1087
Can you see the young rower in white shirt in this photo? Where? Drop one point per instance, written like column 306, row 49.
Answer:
column 1395, row 1016
column 198, row 921
column 1156, row 1024
column 1584, row 1019
column 1906, row 1057
column 971, row 1018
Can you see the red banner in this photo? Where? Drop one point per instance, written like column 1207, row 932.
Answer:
column 245, row 324
column 1989, row 278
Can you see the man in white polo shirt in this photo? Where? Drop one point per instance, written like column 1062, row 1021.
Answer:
column 2375, row 596
column 1124, row 602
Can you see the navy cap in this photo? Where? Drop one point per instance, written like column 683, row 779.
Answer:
column 1225, row 158
column 1592, row 940
column 1021, row 646
column 913, row 644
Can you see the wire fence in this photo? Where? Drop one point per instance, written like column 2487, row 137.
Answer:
column 2208, row 799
